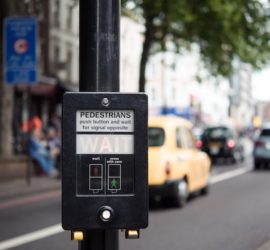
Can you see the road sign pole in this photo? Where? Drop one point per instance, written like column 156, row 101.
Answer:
column 29, row 130
column 99, row 71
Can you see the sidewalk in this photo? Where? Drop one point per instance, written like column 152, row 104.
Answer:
column 19, row 187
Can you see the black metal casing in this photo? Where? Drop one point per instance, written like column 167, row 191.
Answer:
column 81, row 212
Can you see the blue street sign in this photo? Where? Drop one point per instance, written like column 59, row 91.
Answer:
column 20, row 45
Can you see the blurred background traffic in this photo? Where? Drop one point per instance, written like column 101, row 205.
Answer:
column 211, row 81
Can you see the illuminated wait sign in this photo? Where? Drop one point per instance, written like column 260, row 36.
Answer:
column 104, row 144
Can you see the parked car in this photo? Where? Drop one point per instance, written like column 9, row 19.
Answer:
column 261, row 151
column 222, row 142
column 176, row 167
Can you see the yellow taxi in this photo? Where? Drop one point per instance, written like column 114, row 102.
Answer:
column 176, row 167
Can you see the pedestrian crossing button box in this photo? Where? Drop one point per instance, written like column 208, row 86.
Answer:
column 104, row 165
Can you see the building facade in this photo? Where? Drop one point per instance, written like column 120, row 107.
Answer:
column 175, row 83
column 64, row 41
column 174, row 87
column 64, row 47
column 242, row 103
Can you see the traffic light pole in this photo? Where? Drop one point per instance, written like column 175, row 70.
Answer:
column 99, row 45
column 99, row 72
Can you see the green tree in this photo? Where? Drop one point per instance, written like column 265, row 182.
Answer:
column 223, row 30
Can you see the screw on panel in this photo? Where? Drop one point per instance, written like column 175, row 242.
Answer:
column 105, row 102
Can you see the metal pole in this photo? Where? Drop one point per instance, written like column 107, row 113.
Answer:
column 100, row 240
column 99, row 71
column 99, row 45
column 29, row 130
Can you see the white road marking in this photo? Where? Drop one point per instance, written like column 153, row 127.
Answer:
column 229, row 175
column 266, row 246
column 56, row 229
column 30, row 237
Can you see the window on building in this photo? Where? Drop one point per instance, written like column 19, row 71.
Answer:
column 69, row 65
column 69, row 17
column 56, row 59
column 173, row 93
column 56, row 13
column 153, row 90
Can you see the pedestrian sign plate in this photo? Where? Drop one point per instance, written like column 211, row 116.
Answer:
column 105, row 138
column 20, row 50
column 105, row 160
column 105, row 121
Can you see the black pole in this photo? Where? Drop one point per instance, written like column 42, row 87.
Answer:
column 100, row 240
column 99, row 45
column 29, row 131
column 99, row 71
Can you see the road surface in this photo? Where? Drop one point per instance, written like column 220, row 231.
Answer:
column 234, row 216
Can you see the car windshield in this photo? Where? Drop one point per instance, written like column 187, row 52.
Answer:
column 219, row 132
column 156, row 137
column 265, row 132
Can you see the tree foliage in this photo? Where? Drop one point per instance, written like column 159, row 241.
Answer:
column 223, row 30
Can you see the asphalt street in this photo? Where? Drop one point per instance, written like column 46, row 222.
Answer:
column 234, row 216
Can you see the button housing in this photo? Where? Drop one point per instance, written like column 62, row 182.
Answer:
column 106, row 176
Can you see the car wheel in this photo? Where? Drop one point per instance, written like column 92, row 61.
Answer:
column 257, row 165
column 206, row 189
column 182, row 193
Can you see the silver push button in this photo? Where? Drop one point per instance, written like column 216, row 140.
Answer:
column 106, row 214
